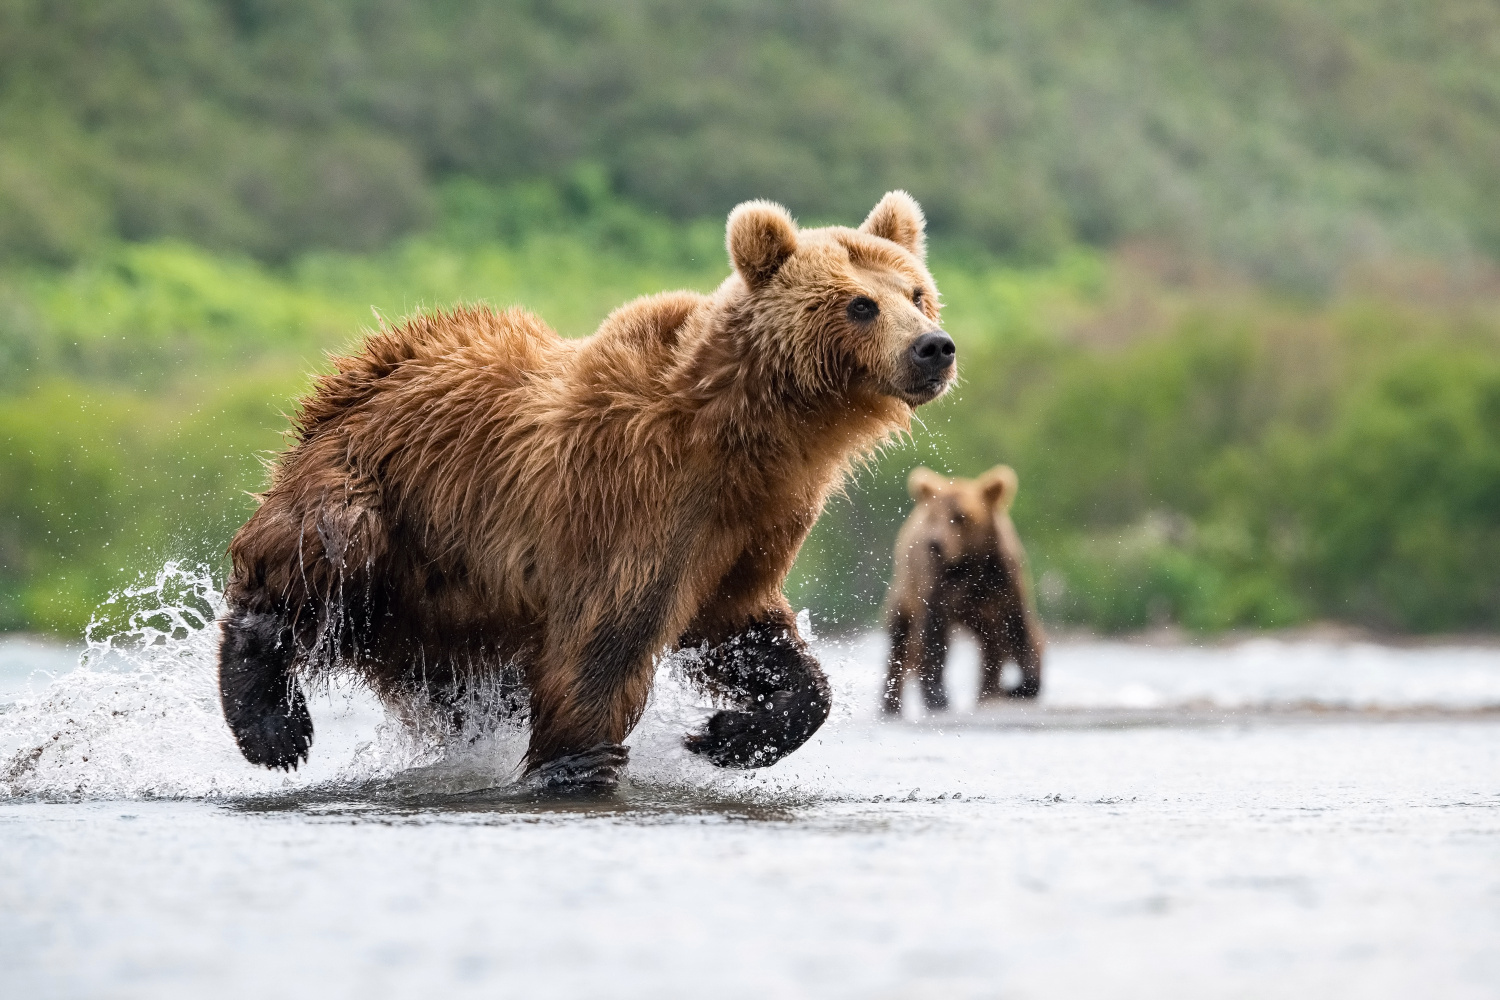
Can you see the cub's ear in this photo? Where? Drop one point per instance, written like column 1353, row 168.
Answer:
column 923, row 483
column 898, row 218
column 761, row 236
column 999, row 487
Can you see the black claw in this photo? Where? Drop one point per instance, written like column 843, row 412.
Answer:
column 589, row 772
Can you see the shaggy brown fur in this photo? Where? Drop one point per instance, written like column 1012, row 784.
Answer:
column 959, row 563
column 470, row 493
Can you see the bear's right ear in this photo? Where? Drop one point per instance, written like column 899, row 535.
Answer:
column 999, row 486
column 761, row 236
column 898, row 218
column 923, row 483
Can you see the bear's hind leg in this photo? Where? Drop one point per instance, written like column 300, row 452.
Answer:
column 767, row 668
column 265, row 709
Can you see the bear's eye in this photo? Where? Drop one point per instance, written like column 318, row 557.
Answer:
column 916, row 298
column 863, row 309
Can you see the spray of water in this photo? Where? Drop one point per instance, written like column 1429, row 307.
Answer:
column 139, row 717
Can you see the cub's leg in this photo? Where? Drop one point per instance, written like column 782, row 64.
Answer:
column 265, row 709
column 895, row 675
column 994, row 652
column 782, row 694
column 932, row 656
column 1026, row 643
column 1000, row 642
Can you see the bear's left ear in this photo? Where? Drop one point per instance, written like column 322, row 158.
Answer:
column 899, row 218
column 761, row 236
column 923, row 483
column 999, row 487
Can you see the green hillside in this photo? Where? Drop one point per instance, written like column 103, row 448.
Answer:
column 1285, row 138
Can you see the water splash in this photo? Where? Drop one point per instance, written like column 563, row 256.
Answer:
column 139, row 717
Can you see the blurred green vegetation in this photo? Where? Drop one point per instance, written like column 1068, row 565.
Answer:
column 1222, row 272
column 1289, row 139
column 1244, row 465
column 1189, row 452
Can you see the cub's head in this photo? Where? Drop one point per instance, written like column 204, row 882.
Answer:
column 837, row 310
column 963, row 516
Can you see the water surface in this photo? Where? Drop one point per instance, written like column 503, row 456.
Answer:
column 1291, row 818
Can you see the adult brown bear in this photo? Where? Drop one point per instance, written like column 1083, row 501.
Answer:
column 959, row 563
column 469, row 495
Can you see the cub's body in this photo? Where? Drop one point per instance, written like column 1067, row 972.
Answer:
column 959, row 564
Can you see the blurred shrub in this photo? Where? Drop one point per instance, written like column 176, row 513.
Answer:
column 98, row 484
column 1403, row 498
column 1288, row 139
column 1255, row 466
column 1215, row 458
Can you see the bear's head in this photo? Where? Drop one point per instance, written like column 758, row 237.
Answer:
column 837, row 310
column 964, row 516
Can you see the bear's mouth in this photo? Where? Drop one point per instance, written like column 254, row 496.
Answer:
column 926, row 390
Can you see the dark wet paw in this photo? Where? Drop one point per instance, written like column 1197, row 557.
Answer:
column 593, row 771
column 280, row 738
column 741, row 739
column 1025, row 690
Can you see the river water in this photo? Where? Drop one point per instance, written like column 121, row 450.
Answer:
column 1263, row 818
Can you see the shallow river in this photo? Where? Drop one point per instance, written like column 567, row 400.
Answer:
column 1268, row 818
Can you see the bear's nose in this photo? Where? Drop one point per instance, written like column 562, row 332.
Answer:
column 933, row 352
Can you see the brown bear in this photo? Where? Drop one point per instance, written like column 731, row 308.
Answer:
column 959, row 563
column 468, row 497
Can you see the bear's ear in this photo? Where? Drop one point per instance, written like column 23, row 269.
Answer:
column 923, row 483
column 761, row 236
column 999, row 487
column 898, row 218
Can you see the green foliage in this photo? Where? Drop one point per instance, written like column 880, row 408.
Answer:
column 1254, row 466
column 1286, row 138
column 1404, row 503
column 97, row 484
column 200, row 198
column 1201, row 457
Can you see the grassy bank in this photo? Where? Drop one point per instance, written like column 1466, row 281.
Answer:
column 1189, row 450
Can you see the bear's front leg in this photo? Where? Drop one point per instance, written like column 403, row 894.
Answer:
column 783, row 694
column 587, row 696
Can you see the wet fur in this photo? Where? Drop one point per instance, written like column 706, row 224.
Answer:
column 469, row 491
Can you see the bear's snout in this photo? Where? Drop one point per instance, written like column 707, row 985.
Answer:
column 933, row 354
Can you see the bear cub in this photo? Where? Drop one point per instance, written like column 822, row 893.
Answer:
column 959, row 563
column 470, row 498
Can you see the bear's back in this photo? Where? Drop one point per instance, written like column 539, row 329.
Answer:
column 509, row 346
